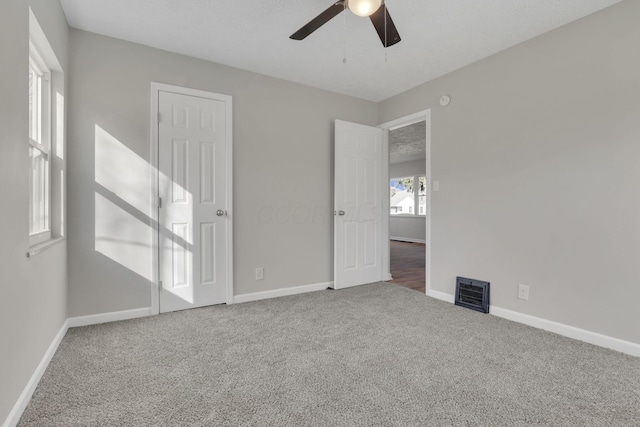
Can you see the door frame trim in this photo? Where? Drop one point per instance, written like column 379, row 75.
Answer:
column 391, row 125
column 154, row 199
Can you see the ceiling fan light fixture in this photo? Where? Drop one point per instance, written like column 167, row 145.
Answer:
column 364, row 7
column 376, row 10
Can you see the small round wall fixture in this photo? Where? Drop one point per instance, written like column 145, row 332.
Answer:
column 445, row 100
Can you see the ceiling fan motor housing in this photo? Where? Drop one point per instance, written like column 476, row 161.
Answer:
column 376, row 10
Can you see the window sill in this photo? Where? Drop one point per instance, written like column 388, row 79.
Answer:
column 408, row 216
column 41, row 247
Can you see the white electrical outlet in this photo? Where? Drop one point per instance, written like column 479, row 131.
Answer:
column 259, row 273
column 523, row 292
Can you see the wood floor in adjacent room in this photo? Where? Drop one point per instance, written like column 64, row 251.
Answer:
column 407, row 265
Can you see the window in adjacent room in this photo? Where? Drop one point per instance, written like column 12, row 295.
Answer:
column 408, row 195
column 421, row 189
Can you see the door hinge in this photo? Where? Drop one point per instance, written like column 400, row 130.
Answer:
column 159, row 285
column 159, row 202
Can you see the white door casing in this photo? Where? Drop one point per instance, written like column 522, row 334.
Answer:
column 193, row 188
column 424, row 115
column 358, row 225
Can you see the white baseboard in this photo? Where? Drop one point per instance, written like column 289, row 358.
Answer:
column 569, row 331
column 115, row 316
column 388, row 278
column 25, row 396
column 72, row 322
column 407, row 239
column 281, row 292
column 440, row 295
column 594, row 338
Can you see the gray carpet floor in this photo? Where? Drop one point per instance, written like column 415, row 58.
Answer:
column 372, row 355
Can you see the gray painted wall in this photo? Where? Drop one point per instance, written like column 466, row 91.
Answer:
column 33, row 306
column 283, row 157
column 537, row 158
column 403, row 227
column 409, row 229
column 414, row 167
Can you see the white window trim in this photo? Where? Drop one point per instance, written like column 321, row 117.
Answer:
column 41, row 247
column 44, row 146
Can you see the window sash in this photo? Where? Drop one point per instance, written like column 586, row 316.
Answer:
column 39, row 149
column 39, row 183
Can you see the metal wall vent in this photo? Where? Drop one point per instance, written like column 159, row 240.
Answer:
column 473, row 294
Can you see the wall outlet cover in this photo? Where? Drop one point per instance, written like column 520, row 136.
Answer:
column 523, row 292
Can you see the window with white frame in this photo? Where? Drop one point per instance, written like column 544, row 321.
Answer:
column 408, row 195
column 39, row 148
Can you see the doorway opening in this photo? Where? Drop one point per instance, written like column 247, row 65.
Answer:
column 409, row 201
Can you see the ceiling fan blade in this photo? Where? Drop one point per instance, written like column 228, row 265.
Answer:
column 318, row 21
column 378, row 20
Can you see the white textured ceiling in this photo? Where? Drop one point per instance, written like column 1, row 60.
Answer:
column 438, row 36
column 408, row 143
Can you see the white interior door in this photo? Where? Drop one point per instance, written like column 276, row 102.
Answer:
column 193, row 193
column 358, row 245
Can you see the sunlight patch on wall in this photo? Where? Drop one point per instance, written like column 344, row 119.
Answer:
column 124, row 227
column 122, row 237
column 122, row 172
column 122, row 204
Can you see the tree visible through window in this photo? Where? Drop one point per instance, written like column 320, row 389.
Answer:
column 422, row 195
column 408, row 195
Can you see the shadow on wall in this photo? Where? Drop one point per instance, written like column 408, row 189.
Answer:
column 123, row 201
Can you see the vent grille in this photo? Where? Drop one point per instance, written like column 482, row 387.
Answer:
column 473, row 294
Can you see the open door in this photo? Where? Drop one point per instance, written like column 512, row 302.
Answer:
column 358, row 216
